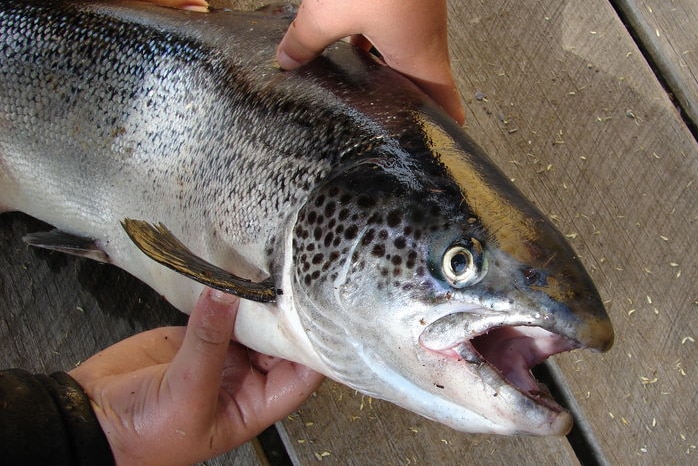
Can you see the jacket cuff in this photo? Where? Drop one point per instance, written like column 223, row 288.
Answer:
column 49, row 420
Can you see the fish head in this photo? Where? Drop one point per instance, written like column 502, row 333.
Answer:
column 424, row 277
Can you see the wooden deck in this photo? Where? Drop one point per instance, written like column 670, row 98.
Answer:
column 562, row 95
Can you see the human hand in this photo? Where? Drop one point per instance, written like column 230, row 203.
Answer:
column 177, row 395
column 411, row 36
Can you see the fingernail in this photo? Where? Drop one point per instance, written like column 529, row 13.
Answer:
column 286, row 62
column 195, row 8
column 222, row 297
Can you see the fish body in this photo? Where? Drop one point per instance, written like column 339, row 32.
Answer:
column 403, row 262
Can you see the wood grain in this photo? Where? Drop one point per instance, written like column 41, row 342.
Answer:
column 668, row 32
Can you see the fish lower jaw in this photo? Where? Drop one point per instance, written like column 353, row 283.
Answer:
column 504, row 356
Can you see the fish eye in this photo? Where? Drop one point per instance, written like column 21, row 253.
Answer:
column 463, row 264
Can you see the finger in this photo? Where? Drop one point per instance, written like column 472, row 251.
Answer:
column 315, row 27
column 262, row 400
column 414, row 44
column 439, row 85
column 419, row 50
column 198, row 365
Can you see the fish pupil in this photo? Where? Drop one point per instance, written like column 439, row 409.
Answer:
column 459, row 263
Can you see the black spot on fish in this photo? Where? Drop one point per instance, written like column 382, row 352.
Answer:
column 343, row 214
column 411, row 259
column 400, row 242
column 311, row 217
column 375, row 218
column 311, row 247
column 315, row 275
column 328, row 239
column 366, row 202
column 385, row 272
column 378, row 250
column 408, row 230
column 383, row 234
column 368, row 237
column 334, row 190
column 394, row 218
column 318, row 258
column 345, row 199
column 340, row 229
column 417, row 234
column 397, row 271
column 336, row 241
column 306, row 280
column 334, row 255
column 351, row 232
column 331, row 223
column 330, row 208
column 396, row 260
column 320, row 200
column 306, row 266
column 317, row 233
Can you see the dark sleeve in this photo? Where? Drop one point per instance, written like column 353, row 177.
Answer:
column 48, row 419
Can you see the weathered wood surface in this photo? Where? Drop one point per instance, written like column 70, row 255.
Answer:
column 560, row 96
column 668, row 31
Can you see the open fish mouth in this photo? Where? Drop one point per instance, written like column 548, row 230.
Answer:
column 502, row 353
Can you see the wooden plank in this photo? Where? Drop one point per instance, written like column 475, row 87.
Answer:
column 57, row 310
column 341, row 426
column 667, row 30
column 575, row 115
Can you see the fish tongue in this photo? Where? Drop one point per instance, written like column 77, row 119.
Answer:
column 513, row 354
column 513, row 351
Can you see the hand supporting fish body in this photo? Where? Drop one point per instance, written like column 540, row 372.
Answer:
column 374, row 241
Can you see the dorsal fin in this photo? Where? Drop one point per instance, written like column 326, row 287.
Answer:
column 58, row 240
column 158, row 243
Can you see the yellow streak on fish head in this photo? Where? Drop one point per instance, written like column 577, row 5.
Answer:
column 512, row 231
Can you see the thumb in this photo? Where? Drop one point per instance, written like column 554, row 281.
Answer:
column 198, row 365
column 314, row 28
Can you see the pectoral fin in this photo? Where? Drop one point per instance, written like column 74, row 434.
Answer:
column 57, row 240
column 158, row 243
